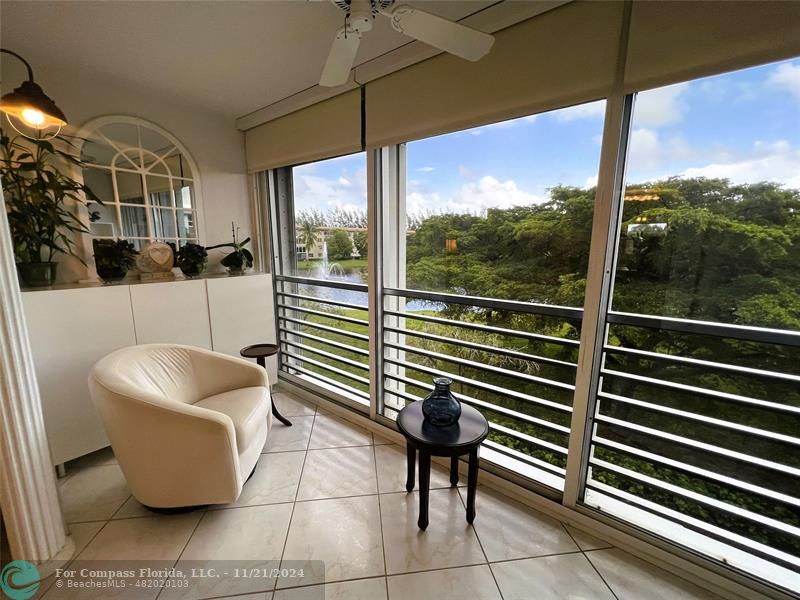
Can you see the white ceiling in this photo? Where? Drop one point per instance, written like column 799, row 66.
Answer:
column 229, row 56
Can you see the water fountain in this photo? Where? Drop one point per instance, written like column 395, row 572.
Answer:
column 326, row 269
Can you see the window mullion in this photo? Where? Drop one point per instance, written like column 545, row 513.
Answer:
column 379, row 165
column 599, row 281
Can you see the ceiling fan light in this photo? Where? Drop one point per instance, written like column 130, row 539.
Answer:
column 30, row 104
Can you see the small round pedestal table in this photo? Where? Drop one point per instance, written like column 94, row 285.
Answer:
column 462, row 438
column 260, row 352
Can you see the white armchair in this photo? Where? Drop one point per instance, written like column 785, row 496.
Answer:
column 187, row 425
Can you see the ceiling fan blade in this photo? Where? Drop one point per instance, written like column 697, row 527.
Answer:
column 341, row 57
column 440, row 33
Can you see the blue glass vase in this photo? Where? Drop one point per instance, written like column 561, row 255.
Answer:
column 441, row 408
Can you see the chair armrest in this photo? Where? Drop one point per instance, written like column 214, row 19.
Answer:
column 217, row 373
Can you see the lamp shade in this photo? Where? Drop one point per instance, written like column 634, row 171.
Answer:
column 29, row 103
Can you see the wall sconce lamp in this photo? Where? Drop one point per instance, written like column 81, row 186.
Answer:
column 30, row 104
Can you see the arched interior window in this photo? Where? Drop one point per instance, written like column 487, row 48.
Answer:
column 146, row 180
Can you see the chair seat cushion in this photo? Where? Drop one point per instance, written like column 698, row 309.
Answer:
column 247, row 407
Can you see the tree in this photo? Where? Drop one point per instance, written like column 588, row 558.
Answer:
column 361, row 242
column 308, row 234
column 340, row 246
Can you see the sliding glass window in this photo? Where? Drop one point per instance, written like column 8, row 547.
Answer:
column 697, row 427
column 320, row 237
column 486, row 248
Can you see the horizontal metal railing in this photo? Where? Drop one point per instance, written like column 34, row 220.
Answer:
column 485, row 328
column 325, row 283
column 481, row 385
column 481, row 347
column 327, row 328
column 723, row 330
column 694, row 470
column 683, row 387
column 483, row 367
column 698, row 445
column 677, row 475
column 700, row 364
column 322, row 313
column 532, row 308
column 483, row 405
column 405, row 353
column 305, row 298
column 321, row 356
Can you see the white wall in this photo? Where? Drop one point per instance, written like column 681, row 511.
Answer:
column 212, row 140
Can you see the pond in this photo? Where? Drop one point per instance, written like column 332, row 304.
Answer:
column 350, row 274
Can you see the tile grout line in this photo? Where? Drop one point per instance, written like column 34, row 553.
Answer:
column 380, row 518
column 599, row 574
column 478, row 537
column 180, row 554
column 294, row 502
column 589, row 560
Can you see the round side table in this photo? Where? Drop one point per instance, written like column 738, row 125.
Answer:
column 463, row 438
column 260, row 352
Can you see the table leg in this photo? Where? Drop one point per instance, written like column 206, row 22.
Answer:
column 424, row 486
column 453, row 470
column 263, row 364
column 411, row 459
column 472, row 484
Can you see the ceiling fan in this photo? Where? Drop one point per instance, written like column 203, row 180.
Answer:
column 436, row 31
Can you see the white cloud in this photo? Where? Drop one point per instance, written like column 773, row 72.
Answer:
column 775, row 161
column 426, row 169
column 661, row 106
column 590, row 182
column 488, row 192
column 648, row 150
column 417, row 202
column 347, row 191
column 581, row 111
column 787, row 78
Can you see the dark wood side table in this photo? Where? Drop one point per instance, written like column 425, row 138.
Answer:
column 260, row 352
column 463, row 438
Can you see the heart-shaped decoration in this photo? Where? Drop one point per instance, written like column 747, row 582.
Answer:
column 161, row 255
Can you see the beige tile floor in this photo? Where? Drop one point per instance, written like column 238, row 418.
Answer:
column 327, row 490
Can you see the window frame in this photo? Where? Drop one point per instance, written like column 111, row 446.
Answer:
column 90, row 130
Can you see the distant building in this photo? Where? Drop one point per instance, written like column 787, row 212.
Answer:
column 315, row 251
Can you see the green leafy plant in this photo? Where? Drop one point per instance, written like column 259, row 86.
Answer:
column 340, row 246
column 39, row 193
column 192, row 259
column 241, row 258
column 113, row 258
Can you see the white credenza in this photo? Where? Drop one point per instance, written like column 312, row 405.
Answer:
column 71, row 329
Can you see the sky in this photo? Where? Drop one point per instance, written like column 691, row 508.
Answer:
column 744, row 126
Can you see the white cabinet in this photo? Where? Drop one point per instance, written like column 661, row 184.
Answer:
column 173, row 312
column 242, row 313
column 71, row 329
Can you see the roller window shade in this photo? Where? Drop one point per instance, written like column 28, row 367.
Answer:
column 324, row 130
column 565, row 56
column 681, row 40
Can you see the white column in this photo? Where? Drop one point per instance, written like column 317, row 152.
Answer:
column 28, row 494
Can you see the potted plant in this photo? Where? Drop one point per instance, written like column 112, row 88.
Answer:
column 241, row 258
column 39, row 195
column 192, row 259
column 113, row 258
